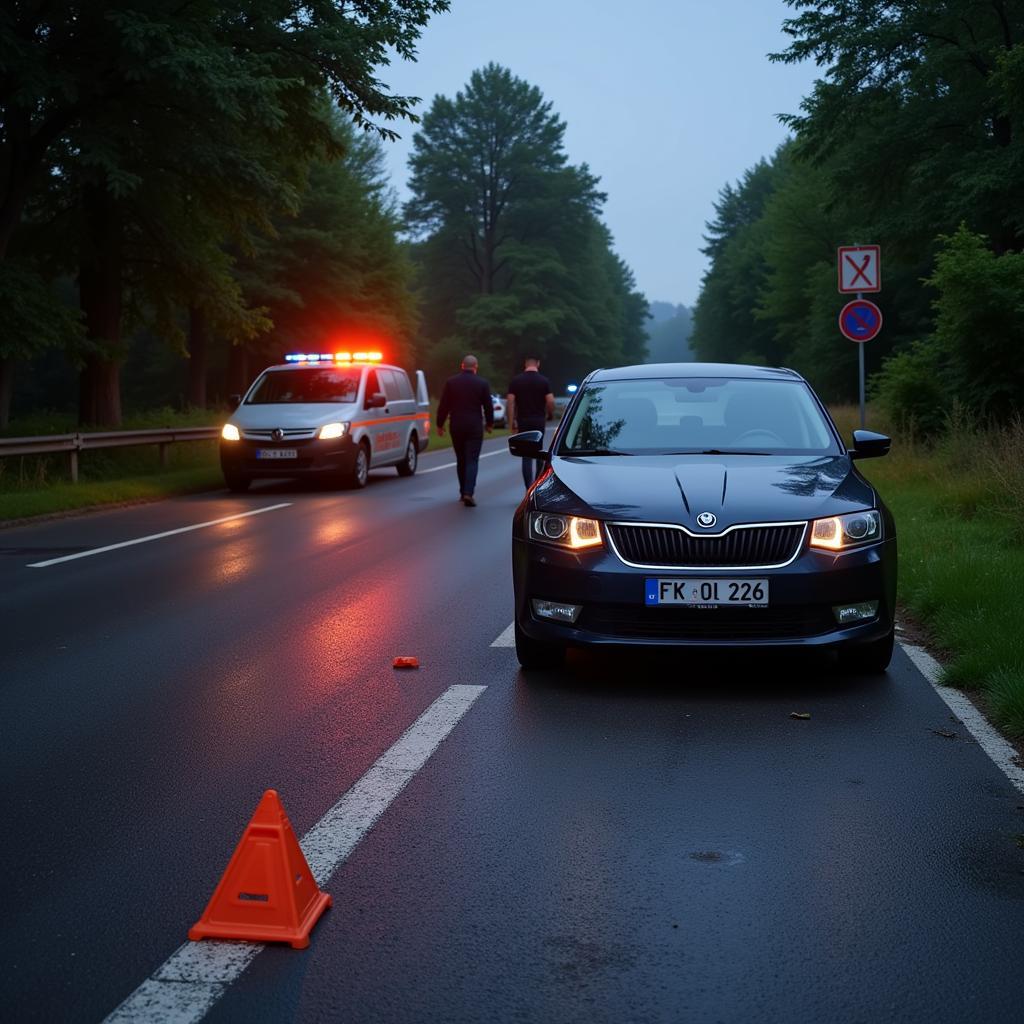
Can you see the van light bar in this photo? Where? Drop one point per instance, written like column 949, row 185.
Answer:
column 334, row 357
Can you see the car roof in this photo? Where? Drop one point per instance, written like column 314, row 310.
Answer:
column 655, row 370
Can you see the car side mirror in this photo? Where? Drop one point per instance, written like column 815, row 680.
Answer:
column 375, row 401
column 234, row 401
column 528, row 445
column 869, row 445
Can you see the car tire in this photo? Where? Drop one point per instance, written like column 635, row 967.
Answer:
column 407, row 467
column 536, row 654
column 237, row 482
column 359, row 475
column 872, row 658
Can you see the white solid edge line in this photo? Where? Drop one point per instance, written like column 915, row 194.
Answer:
column 155, row 536
column 1001, row 752
column 506, row 638
column 451, row 465
column 187, row 985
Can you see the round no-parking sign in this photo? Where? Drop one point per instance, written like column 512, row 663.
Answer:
column 860, row 320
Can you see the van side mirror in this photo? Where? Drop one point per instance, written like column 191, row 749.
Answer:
column 869, row 445
column 234, row 401
column 375, row 401
column 528, row 445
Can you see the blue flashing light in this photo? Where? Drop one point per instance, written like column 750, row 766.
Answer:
column 308, row 357
column 572, row 389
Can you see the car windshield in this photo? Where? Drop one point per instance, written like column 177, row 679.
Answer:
column 320, row 384
column 710, row 415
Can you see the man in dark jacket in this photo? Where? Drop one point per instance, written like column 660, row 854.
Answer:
column 466, row 398
column 530, row 405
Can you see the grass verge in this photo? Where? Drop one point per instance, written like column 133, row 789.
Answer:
column 67, row 497
column 960, row 515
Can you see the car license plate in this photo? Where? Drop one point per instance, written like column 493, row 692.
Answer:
column 277, row 453
column 707, row 593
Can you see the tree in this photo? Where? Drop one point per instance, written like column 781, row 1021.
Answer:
column 919, row 110
column 334, row 275
column 108, row 93
column 512, row 256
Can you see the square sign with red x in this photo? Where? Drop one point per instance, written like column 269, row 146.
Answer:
column 860, row 269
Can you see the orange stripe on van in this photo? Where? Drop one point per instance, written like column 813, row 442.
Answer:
column 391, row 419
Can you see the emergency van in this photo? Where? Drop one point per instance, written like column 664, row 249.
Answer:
column 335, row 416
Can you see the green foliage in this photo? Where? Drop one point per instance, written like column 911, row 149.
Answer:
column 979, row 323
column 916, row 127
column 344, row 231
column 34, row 318
column 512, row 259
column 910, row 390
column 149, row 145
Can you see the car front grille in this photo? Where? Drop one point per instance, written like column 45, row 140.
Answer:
column 638, row 622
column 290, row 434
column 673, row 547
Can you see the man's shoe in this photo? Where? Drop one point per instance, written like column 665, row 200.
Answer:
column 468, row 501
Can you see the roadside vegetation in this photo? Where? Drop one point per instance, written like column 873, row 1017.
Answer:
column 958, row 499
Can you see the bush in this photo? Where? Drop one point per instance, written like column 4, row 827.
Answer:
column 910, row 391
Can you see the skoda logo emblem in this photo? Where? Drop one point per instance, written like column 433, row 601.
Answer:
column 707, row 519
column 278, row 435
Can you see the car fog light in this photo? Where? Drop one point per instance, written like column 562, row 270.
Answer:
column 847, row 613
column 557, row 610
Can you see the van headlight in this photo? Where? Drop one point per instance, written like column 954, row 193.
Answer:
column 229, row 432
column 837, row 533
column 566, row 531
column 329, row 431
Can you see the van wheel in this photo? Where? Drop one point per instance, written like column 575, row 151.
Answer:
column 407, row 467
column 535, row 654
column 360, row 472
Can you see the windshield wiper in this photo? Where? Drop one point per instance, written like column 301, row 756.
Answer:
column 593, row 451
column 718, row 451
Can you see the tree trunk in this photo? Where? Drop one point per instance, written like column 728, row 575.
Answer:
column 238, row 370
column 99, row 283
column 6, row 388
column 99, row 393
column 198, row 347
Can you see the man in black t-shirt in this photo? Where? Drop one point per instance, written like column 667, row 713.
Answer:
column 530, row 405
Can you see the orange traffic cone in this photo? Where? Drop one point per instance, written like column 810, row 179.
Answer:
column 267, row 893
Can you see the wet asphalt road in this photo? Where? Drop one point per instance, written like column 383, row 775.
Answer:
column 629, row 839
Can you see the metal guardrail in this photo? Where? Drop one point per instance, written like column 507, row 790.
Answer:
column 72, row 444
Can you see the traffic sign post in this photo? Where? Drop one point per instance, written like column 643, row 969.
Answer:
column 859, row 269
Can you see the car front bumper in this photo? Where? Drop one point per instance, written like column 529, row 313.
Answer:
column 611, row 596
column 314, row 458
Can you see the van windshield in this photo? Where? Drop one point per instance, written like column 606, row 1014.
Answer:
column 308, row 385
column 699, row 415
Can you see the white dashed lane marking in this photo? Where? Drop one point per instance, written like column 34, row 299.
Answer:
column 156, row 536
column 451, row 465
column 187, row 985
column 506, row 638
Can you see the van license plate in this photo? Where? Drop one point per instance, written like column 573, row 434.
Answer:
column 707, row 593
column 277, row 453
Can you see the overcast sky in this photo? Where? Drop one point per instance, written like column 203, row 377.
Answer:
column 665, row 99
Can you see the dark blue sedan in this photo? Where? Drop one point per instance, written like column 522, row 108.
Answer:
column 702, row 505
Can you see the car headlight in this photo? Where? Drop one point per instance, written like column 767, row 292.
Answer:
column 331, row 430
column 230, row 432
column 567, row 531
column 837, row 533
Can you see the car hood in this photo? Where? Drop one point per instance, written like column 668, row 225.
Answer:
column 292, row 415
column 676, row 489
